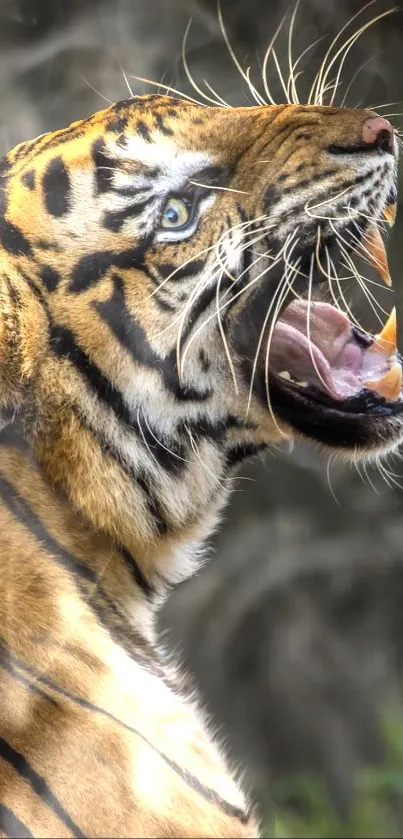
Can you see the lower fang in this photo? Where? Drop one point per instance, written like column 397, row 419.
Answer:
column 390, row 385
column 285, row 375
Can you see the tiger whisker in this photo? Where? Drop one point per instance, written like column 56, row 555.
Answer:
column 145, row 441
column 265, row 62
column 279, row 73
column 127, row 83
column 217, row 95
column 224, row 337
column 331, row 458
column 331, row 280
column 190, row 78
column 383, row 105
column 262, row 331
column 98, row 92
column 234, row 297
column 255, row 93
column 314, row 96
column 291, row 90
column 227, row 235
column 361, row 280
column 200, row 286
column 370, row 481
column 308, row 310
column 395, row 114
column 195, row 256
column 174, row 454
column 179, row 268
column 348, row 46
column 306, row 50
column 195, row 448
column 332, row 198
column 354, row 77
column 168, row 88
column 346, row 305
column 222, row 188
column 357, row 214
column 281, row 297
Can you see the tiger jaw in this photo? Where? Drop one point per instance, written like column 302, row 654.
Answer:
column 323, row 376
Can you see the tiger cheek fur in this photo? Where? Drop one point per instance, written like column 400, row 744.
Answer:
column 134, row 292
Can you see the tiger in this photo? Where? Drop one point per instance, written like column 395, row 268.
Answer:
column 164, row 314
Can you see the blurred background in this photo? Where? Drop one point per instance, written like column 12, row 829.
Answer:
column 294, row 629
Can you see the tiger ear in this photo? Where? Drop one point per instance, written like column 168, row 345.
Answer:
column 23, row 337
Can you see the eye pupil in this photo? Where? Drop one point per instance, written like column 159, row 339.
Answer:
column 171, row 215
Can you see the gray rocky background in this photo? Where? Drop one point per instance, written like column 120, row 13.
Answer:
column 294, row 629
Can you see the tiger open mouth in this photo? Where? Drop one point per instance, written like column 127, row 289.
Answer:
column 328, row 378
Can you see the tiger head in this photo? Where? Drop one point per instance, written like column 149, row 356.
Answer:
column 184, row 264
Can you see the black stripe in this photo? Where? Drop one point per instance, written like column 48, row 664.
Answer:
column 241, row 451
column 136, row 572
column 143, row 130
column 206, row 792
column 132, row 336
column 166, row 269
column 12, row 826
column 91, row 267
column 54, row 139
column 25, row 515
column 114, row 220
column 50, row 277
column 13, row 240
column 56, row 188
column 165, row 129
column 65, row 346
column 38, row 784
column 135, row 475
column 123, row 634
column 118, row 123
column 154, row 507
column 28, row 179
column 104, row 165
column 7, row 664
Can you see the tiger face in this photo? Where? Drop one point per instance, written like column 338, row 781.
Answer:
column 182, row 254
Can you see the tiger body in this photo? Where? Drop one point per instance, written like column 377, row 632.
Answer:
column 120, row 438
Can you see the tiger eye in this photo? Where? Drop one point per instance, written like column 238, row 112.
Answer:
column 175, row 214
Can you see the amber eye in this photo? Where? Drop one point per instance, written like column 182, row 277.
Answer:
column 175, row 214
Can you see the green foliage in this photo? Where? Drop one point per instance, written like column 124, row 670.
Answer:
column 375, row 812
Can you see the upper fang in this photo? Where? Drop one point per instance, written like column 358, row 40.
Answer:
column 386, row 341
column 389, row 213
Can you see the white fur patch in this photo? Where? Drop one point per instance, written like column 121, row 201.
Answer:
column 176, row 165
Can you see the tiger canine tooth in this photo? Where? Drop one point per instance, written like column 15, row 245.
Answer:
column 302, row 384
column 385, row 342
column 390, row 385
column 373, row 246
column 285, row 375
column 389, row 212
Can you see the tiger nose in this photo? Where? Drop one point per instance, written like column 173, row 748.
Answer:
column 378, row 132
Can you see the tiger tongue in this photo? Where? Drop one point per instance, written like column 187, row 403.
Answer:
column 372, row 247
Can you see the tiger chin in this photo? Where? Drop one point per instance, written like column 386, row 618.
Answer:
column 171, row 302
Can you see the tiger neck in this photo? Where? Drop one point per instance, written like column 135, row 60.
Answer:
column 156, row 497
column 158, row 516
